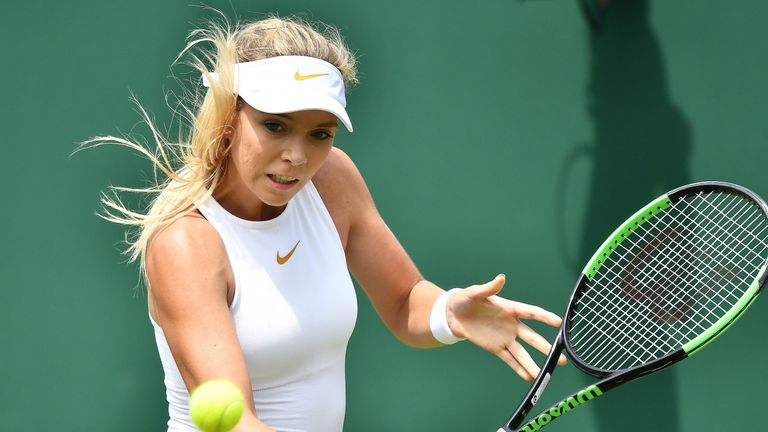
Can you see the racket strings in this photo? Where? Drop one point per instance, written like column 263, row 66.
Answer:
column 663, row 344
column 645, row 327
column 633, row 243
column 684, row 268
column 699, row 261
column 645, row 341
column 669, row 281
column 744, row 229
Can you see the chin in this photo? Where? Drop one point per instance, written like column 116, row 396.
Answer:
column 273, row 199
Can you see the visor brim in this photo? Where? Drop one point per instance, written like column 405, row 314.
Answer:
column 283, row 103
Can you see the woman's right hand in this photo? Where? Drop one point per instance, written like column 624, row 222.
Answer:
column 250, row 423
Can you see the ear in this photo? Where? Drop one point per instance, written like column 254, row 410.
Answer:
column 234, row 120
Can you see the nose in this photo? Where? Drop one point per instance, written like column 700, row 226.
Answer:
column 294, row 153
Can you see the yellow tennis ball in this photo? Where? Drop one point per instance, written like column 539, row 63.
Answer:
column 216, row 405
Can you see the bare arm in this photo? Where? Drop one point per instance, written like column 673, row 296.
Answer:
column 398, row 292
column 190, row 276
column 404, row 299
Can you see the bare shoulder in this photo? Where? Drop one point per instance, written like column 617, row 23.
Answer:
column 189, row 240
column 343, row 191
column 339, row 174
column 186, row 260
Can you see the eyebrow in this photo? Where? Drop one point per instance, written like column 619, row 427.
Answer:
column 326, row 124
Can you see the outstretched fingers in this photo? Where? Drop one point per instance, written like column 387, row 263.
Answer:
column 526, row 311
column 510, row 360
column 529, row 336
column 522, row 356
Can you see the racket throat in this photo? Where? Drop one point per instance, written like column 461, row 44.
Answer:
column 538, row 386
column 562, row 408
column 542, row 387
column 586, row 394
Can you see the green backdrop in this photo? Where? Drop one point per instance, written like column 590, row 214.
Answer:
column 495, row 136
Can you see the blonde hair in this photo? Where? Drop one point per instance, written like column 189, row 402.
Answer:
column 193, row 167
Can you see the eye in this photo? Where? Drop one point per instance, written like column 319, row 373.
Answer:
column 274, row 126
column 321, row 134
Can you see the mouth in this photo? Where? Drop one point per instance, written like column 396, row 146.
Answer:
column 282, row 181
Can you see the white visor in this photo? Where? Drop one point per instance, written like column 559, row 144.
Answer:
column 287, row 84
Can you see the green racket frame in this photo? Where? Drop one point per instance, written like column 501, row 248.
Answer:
column 612, row 379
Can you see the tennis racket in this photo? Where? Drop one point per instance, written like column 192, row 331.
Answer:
column 665, row 284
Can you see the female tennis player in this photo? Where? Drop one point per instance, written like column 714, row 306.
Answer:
column 248, row 245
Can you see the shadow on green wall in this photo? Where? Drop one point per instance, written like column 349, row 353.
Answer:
column 641, row 149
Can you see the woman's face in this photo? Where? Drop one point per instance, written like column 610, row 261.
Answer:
column 273, row 156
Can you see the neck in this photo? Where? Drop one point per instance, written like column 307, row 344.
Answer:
column 243, row 203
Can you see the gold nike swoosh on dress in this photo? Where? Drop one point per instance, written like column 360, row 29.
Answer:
column 300, row 77
column 283, row 260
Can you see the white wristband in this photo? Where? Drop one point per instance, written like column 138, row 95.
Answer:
column 438, row 320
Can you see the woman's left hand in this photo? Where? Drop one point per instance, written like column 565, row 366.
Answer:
column 493, row 323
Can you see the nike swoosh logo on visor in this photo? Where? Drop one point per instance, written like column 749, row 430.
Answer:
column 300, row 77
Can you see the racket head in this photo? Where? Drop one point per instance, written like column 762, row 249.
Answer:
column 669, row 280
column 669, row 236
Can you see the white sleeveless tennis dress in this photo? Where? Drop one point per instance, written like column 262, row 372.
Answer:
column 294, row 309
